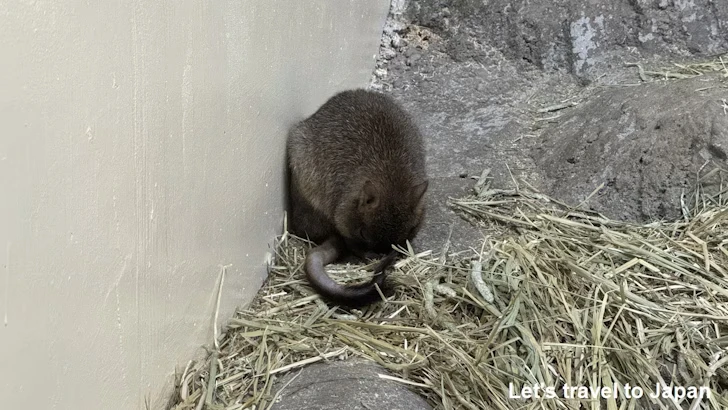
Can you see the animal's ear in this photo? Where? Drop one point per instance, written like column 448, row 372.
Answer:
column 368, row 197
column 418, row 191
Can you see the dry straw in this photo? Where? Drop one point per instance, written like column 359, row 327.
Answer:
column 554, row 296
column 717, row 64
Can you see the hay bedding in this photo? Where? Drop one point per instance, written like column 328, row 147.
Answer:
column 553, row 297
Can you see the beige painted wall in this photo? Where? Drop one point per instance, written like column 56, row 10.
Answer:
column 141, row 147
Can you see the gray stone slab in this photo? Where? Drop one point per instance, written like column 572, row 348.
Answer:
column 344, row 385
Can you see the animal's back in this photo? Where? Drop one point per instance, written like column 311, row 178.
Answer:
column 355, row 135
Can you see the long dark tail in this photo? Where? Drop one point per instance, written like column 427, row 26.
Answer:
column 345, row 295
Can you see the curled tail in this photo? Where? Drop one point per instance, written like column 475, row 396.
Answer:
column 345, row 295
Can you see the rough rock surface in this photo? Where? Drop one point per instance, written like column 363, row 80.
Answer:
column 582, row 37
column 344, row 385
column 474, row 74
column 643, row 145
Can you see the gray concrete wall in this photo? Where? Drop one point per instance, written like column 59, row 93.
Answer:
column 141, row 148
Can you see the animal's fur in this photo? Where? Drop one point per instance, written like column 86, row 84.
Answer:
column 357, row 180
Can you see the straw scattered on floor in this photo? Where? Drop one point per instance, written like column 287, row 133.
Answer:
column 554, row 297
column 717, row 64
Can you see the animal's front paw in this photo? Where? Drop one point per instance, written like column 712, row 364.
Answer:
column 365, row 254
column 371, row 255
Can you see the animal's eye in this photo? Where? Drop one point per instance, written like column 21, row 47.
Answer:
column 361, row 234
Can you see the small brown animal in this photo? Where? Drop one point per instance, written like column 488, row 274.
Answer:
column 356, row 183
